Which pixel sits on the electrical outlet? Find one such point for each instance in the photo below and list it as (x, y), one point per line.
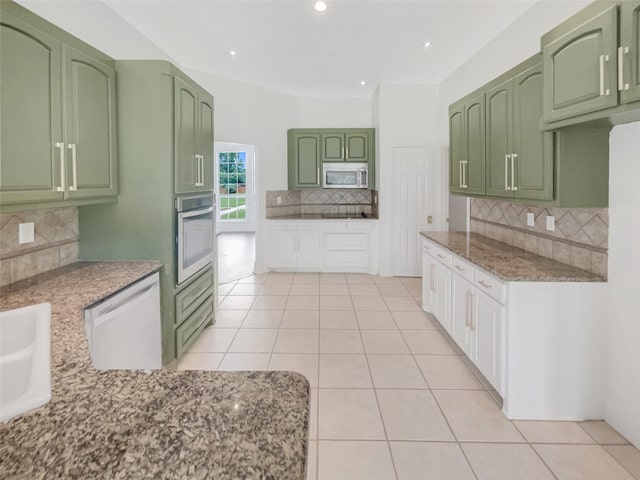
(551, 223)
(26, 233)
(430, 219)
(278, 200)
(531, 220)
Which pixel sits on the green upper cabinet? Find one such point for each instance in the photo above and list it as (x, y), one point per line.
(629, 52)
(58, 118)
(193, 131)
(519, 154)
(31, 114)
(187, 174)
(579, 59)
(91, 126)
(206, 140)
(304, 160)
(349, 147)
(467, 147)
(532, 159)
(333, 147)
(499, 104)
(309, 148)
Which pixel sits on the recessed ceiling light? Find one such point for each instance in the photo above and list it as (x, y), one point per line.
(363, 82)
(232, 53)
(320, 6)
(427, 44)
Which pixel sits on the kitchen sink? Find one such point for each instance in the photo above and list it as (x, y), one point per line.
(25, 359)
(345, 215)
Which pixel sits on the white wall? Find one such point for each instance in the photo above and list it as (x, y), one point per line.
(257, 116)
(335, 113)
(622, 409)
(406, 117)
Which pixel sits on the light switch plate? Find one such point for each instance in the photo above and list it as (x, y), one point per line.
(278, 199)
(26, 233)
(551, 223)
(531, 220)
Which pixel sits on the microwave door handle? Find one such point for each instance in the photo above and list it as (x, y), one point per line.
(359, 182)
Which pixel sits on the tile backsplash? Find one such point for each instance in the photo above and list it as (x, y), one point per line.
(309, 202)
(55, 243)
(580, 238)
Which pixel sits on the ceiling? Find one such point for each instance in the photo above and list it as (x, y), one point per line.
(289, 47)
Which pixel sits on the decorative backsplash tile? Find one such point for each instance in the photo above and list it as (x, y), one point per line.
(55, 242)
(335, 202)
(580, 238)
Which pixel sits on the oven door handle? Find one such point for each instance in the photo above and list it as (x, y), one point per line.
(195, 213)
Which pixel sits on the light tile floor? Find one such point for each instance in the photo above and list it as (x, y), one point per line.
(392, 397)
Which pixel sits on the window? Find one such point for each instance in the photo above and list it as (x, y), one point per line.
(232, 185)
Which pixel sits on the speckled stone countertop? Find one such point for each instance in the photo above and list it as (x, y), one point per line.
(509, 263)
(164, 424)
(321, 216)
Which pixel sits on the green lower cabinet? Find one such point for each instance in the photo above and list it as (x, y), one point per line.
(629, 51)
(304, 160)
(579, 60)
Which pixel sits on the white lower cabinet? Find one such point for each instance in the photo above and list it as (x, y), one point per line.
(323, 245)
(294, 246)
(540, 344)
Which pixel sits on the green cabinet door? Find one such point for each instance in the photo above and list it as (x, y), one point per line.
(186, 137)
(499, 134)
(304, 160)
(473, 171)
(356, 147)
(205, 107)
(30, 114)
(579, 60)
(456, 147)
(629, 51)
(532, 162)
(333, 147)
(90, 130)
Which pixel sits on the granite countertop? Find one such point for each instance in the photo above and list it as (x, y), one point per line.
(321, 216)
(136, 424)
(507, 262)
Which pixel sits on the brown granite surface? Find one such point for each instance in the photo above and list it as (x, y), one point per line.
(163, 424)
(509, 263)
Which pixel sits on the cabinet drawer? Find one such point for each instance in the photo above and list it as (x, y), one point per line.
(360, 225)
(192, 296)
(308, 226)
(347, 259)
(283, 226)
(462, 268)
(444, 256)
(490, 285)
(188, 332)
(346, 241)
(428, 247)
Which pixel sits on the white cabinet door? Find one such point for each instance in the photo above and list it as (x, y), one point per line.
(487, 324)
(308, 249)
(443, 296)
(428, 283)
(461, 292)
(282, 249)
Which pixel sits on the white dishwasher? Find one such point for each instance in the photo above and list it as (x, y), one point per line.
(124, 330)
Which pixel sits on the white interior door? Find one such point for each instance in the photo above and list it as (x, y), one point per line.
(414, 201)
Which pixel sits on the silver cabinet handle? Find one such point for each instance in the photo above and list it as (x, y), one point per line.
(460, 176)
(513, 171)
(463, 164)
(342, 152)
(441, 256)
(199, 170)
(603, 91)
(484, 284)
(74, 168)
(471, 327)
(621, 53)
(347, 155)
(431, 280)
(318, 175)
(459, 268)
(468, 312)
(60, 146)
(506, 172)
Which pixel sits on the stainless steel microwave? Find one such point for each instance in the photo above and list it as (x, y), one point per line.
(345, 175)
